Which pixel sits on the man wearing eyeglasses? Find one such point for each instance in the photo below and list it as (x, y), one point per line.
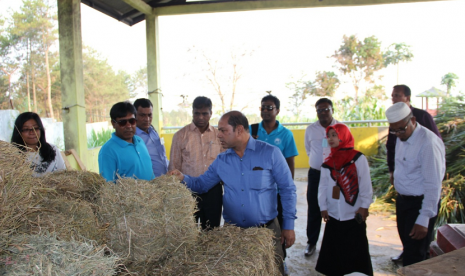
(402, 93)
(419, 169)
(125, 154)
(153, 142)
(317, 149)
(272, 132)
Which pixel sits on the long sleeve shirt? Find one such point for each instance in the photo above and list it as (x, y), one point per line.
(338, 208)
(125, 159)
(250, 185)
(420, 167)
(193, 152)
(156, 150)
(425, 119)
(316, 144)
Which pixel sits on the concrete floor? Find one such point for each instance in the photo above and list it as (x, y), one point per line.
(382, 236)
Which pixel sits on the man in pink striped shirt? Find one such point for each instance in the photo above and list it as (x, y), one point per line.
(194, 148)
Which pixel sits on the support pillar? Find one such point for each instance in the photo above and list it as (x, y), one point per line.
(153, 70)
(72, 89)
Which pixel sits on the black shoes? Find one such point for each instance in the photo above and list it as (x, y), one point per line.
(309, 250)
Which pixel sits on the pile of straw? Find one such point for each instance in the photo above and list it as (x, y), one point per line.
(68, 219)
(17, 189)
(227, 250)
(147, 220)
(45, 255)
(75, 184)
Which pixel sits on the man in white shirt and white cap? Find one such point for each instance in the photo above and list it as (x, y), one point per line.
(419, 169)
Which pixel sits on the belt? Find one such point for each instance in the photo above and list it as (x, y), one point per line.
(312, 169)
(267, 224)
(408, 197)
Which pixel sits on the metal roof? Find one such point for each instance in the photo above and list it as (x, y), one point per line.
(432, 92)
(125, 13)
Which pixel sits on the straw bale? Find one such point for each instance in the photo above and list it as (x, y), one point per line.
(68, 219)
(147, 219)
(227, 250)
(45, 255)
(75, 184)
(17, 188)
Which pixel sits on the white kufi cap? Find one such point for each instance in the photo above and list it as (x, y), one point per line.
(397, 112)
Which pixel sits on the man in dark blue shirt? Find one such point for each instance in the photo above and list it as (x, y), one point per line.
(252, 171)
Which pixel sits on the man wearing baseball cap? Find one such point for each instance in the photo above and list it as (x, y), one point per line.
(419, 169)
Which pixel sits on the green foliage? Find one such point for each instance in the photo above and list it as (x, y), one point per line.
(137, 83)
(397, 53)
(360, 60)
(451, 124)
(449, 81)
(325, 85)
(103, 87)
(367, 108)
(99, 138)
(453, 194)
(301, 91)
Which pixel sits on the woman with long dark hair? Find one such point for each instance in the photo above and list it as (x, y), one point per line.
(29, 136)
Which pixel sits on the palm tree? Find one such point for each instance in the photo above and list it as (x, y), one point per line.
(449, 81)
(401, 52)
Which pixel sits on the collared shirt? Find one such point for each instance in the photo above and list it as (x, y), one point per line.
(420, 167)
(193, 152)
(338, 208)
(425, 119)
(125, 159)
(280, 137)
(316, 144)
(250, 185)
(156, 150)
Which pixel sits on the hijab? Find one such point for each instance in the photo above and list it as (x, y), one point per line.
(341, 163)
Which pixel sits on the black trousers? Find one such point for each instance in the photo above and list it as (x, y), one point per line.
(313, 214)
(210, 206)
(407, 209)
(280, 220)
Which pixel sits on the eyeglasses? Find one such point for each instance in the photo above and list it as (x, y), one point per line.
(321, 110)
(31, 130)
(267, 107)
(402, 130)
(123, 122)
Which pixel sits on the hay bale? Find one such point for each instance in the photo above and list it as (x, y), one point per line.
(227, 250)
(75, 184)
(68, 219)
(17, 188)
(45, 255)
(147, 219)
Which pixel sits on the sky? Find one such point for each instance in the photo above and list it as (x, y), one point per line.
(283, 46)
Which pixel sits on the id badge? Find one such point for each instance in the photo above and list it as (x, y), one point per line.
(324, 143)
(162, 140)
(336, 192)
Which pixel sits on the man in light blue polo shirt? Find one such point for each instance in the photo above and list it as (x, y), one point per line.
(145, 130)
(124, 154)
(271, 131)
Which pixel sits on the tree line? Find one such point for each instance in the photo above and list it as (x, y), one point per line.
(30, 69)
